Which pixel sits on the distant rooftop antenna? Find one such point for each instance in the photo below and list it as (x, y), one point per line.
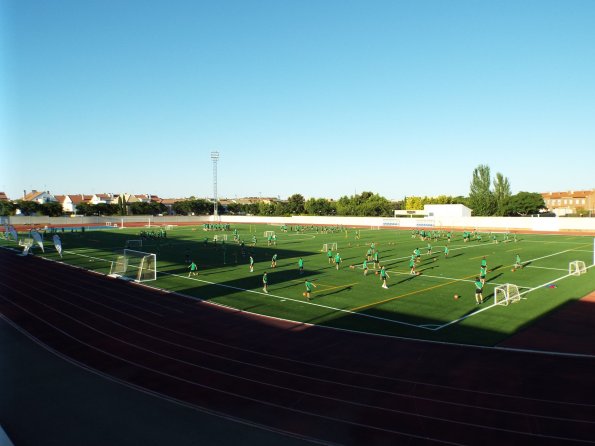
(215, 158)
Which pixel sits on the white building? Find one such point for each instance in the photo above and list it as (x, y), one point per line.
(446, 210)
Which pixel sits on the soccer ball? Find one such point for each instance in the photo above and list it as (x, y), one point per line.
(456, 296)
(304, 294)
(376, 273)
(513, 270)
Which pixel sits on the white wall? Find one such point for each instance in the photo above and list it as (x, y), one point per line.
(544, 224)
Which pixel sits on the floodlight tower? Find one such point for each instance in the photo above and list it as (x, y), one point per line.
(215, 158)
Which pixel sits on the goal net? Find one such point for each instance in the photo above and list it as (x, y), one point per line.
(133, 244)
(327, 246)
(220, 237)
(269, 233)
(505, 294)
(135, 265)
(576, 268)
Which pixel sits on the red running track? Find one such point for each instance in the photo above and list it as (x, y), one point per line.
(320, 384)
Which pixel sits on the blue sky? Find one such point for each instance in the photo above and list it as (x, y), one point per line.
(324, 98)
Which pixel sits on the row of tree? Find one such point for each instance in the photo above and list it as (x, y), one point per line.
(487, 201)
(486, 198)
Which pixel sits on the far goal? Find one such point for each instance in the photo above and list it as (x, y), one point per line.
(134, 244)
(505, 294)
(135, 265)
(327, 246)
(576, 268)
(269, 233)
(220, 237)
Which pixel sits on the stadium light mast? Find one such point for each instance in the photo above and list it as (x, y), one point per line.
(215, 158)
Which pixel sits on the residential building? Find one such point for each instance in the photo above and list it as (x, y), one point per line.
(570, 202)
(39, 197)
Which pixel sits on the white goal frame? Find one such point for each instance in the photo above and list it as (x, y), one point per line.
(505, 294)
(334, 246)
(134, 244)
(220, 237)
(135, 265)
(267, 233)
(576, 268)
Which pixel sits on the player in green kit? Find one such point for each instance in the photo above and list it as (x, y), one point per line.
(365, 267)
(517, 262)
(265, 282)
(478, 291)
(301, 266)
(309, 286)
(251, 264)
(446, 252)
(274, 261)
(482, 274)
(337, 261)
(193, 269)
(412, 265)
(384, 275)
(376, 260)
(329, 254)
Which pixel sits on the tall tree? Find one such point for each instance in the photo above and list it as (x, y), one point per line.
(501, 193)
(295, 204)
(525, 203)
(51, 209)
(481, 198)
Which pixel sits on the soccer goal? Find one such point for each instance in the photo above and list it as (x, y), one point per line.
(135, 265)
(576, 268)
(26, 244)
(220, 237)
(327, 246)
(269, 233)
(507, 293)
(133, 244)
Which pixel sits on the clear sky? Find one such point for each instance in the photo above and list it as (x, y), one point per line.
(319, 97)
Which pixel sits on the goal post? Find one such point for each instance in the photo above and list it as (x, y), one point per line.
(220, 237)
(576, 268)
(269, 233)
(505, 294)
(134, 244)
(327, 246)
(135, 265)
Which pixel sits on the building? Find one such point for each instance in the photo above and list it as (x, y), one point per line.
(39, 197)
(570, 202)
(3, 196)
(70, 202)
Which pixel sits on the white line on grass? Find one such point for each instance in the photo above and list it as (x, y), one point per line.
(494, 304)
(271, 295)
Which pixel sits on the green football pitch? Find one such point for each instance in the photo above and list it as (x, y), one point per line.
(417, 306)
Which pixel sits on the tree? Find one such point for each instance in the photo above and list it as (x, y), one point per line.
(183, 207)
(525, 203)
(86, 209)
(501, 193)
(51, 209)
(7, 208)
(319, 206)
(481, 199)
(106, 209)
(295, 204)
(122, 205)
(27, 207)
